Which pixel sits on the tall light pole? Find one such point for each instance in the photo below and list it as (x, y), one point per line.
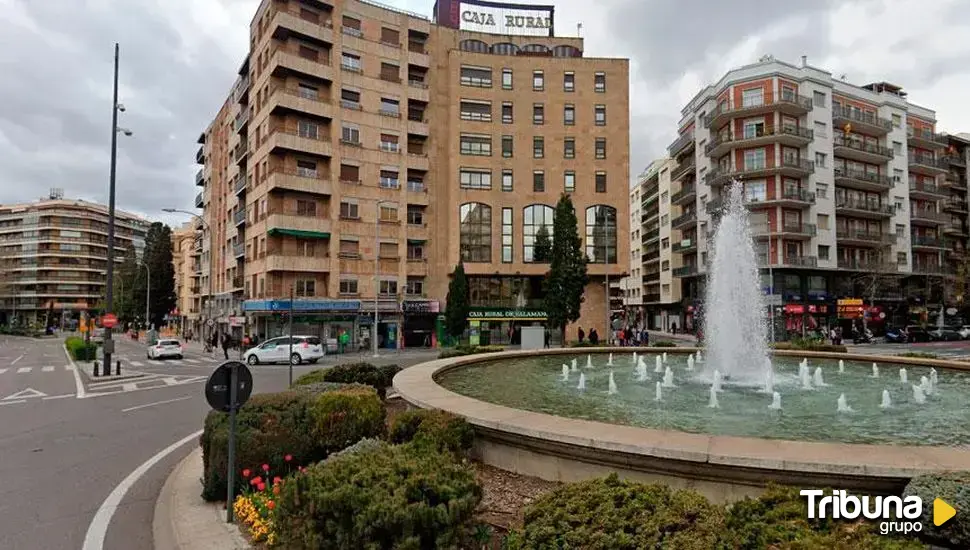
(205, 226)
(377, 269)
(109, 278)
(148, 298)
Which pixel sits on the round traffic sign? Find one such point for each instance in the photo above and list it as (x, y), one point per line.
(217, 387)
(109, 320)
(210, 323)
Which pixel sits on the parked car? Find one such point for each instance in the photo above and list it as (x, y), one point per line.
(945, 334)
(964, 332)
(306, 349)
(896, 336)
(916, 333)
(164, 349)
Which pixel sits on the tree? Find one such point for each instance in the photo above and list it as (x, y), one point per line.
(158, 258)
(881, 282)
(456, 311)
(542, 249)
(567, 277)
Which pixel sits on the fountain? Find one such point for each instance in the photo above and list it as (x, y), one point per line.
(717, 380)
(690, 362)
(918, 395)
(805, 376)
(609, 362)
(775, 401)
(712, 400)
(769, 377)
(589, 361)
(669, 378)
(700, 357)
(633, 360)
(658, 394)
(875, 371)
(841, 366)
(642, 373)
(819, 383)
(665, 357)
(887, 402)
(925, 385)
(843, 406)
(565, 372)
(735, 330)
(659, 365)
(903, 377)
(582, 382)
(934, 378)
(575, 366)
(613, 390)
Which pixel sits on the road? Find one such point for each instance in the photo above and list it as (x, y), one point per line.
(62, 456)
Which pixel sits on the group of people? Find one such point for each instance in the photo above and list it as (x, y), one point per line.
(632, 337)
(594, 337)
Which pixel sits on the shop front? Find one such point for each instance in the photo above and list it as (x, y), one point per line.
(327, 319)
(389, 323)
(500, 326)
(806, 320)
(419, 323)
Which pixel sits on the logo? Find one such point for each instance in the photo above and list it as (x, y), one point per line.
(942, 512)
(896, 514)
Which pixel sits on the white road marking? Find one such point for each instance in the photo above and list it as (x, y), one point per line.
(94, 538)
(136, 363)
(26, 393)
(23, 370)
(129, 409)
(48, 369)
(3, 371)
(64, 396)
(68, 367)
(12, 402)
(78, 384)
(193, 361)
(15, 360)
(129, 387)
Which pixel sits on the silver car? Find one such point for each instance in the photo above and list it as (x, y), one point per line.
(305, 349)
(164, 349)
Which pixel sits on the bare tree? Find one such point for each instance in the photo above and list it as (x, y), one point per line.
(882, 281)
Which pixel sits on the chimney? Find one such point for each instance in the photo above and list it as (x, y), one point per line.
(804, 61)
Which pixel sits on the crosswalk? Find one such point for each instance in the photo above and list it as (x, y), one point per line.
(147, 382)
(164, 362)
(29, 370)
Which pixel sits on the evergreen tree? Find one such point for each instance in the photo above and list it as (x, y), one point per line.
(542, 249)
(125, 287)
(567, 278)
(456, 312)
(158, 258)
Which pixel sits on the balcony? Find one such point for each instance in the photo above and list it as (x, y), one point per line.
(287, 59)
(956, 254)
(868, 265)
(785, 103)
(926, 139)
(928, 165)
(857, 149)
(933, 269)
(864, 209)
(200, 155)
(200, 177)
(791, 136)
(197, 244)
(685, 271)
(241, 120)
(928, 217)
(289, 21)
(299, 100)
(241, 92)
(787, 230)
(796, 168)
(684, 220)
(955, 205)
(864, 238)
(682, 169)
(955, 182)
(300, 180)
(318, 144)
(237, 283)
(293, 263)
(239, 218)
(956, 229)
(684, 246)
(239, 250)
(686, 195)
(240, 184)
(956, 159)
(920, 241)
(798, 198)
(287, 222)
(862, 122)
(200, 200)
(863, 181)
(682, 144)
(241, 151)
(926, 191)
(798, 261)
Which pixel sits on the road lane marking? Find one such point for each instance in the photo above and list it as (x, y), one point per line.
(129, 387)
(3, 371)
(25, 393)
(15, 360)
(48, 369)
(98, 529)
(137, 363)
(68, 367)
(13, 402)
(78, 384)
(23, 370)
(194, 361)
(129, 409)
(64, 396)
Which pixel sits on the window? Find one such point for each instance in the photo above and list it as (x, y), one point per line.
(507, 113)
(901, 258)
(820, 159)
(899, 204)
(475, 179)
(823, 252)
(476, 77)
(538, 181)
(900, 229)
(507, 183)
(474, 144)
(664, 243)
(414, 286)
(390, 179)
(390, 107)
(822, 190)
(415, 215)
(897, 175)
(665, 265)
(389, 143)
(475, 232)
(754, 159)
(897, 148)
(601, 235)
(305, 287)
(818, 99)
(348, 286)
(821, 130)
(350, 62)
(507, 235)
(350, 134)
(600, 182)
(755, 190)
(388, 213)
(475, 110)
(306, 208)
(600, 148)
(665, 220)
(351, 24)
(507, 146)
(823, 221)
(349, 210)
(350, 99)
(506, 79)
(537, 233)
(349, 173)
(390, 72)
(415, 250)
(753, 97)
(538, 147)
(538, 81)
(897, 121)
(569, 148)
(538, 113)
(569, 114)
(306, 169)
(388, 288)
(391, 37)
(569, 181)
(599, 115)
(349, 248)
(599, 82)
(568, 81)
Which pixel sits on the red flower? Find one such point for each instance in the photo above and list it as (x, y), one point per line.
(302, 469)
(246, 472)
(276, 490)
(277, 479)
(288, 458)
(270, 504)
(261, 487)
(265, 467)
(256, 480)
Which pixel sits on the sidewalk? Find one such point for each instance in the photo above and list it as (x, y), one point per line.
(183, 521)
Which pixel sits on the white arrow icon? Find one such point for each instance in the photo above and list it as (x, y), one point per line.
(25, 394)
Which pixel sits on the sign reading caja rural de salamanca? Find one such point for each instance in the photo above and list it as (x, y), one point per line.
(508, 19)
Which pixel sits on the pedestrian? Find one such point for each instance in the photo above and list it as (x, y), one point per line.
(673, 328)
(594, 338)
(581, 334)
(226, 342)
(644, 338)
(547, 337)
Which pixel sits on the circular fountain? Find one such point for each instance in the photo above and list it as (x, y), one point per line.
(724, 422)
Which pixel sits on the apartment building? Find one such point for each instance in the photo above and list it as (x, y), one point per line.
(357, 187)
(632, 284)
(955, 232)
(846, 184)
(53, 255)
(186, 253)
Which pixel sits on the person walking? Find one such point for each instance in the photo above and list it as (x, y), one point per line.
(226, 343)
(581, 334)
(594, 338)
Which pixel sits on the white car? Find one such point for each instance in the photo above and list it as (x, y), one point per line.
(964, 332)
(306, 349)
(165, 348)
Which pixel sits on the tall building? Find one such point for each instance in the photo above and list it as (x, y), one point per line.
(357, 187)
(956, 232)
(632, 284)
(847, 187)
(53, 256)
(186, 252)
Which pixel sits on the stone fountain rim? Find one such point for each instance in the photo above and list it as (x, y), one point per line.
(418, 386)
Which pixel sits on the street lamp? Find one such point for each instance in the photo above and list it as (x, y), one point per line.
(109, 279)
(208, 298)
(148, 298)
(377, 268)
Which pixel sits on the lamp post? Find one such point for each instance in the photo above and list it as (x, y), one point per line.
(377, 269)
(109, 278)
(208, 298)
(148, 298)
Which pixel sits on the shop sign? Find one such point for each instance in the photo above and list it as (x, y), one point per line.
(420, 306)
(283, 306)
(850, 308)
(794, 309)
(508, 315)
(235, 321)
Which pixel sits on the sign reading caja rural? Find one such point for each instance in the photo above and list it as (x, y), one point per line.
(508, 19)
(507, 315)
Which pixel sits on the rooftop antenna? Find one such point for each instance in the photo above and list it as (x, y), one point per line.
(579, 29)
(56, 194)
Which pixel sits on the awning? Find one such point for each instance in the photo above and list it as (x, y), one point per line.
(277, 231)
(417, 241)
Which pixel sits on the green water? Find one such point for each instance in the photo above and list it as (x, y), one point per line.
(535, 384)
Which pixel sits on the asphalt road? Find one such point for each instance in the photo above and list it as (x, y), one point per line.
(62, 456)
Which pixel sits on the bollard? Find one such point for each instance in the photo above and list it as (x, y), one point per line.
(95, 367)
(118, 368)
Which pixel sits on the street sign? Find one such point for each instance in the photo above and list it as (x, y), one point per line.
(109, 320)
(210, 323)
(217, 389)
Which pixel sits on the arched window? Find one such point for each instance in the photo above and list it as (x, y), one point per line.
(601, 234)
(473, 46)
(566, 51)
(475, 232)
(504, 48)
(534, 49)
(537, 233)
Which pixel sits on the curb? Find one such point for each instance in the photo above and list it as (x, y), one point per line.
(183, 521)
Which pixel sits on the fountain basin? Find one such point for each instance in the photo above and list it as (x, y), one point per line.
(723, 467)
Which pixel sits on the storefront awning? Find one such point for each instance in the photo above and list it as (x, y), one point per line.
(277, 231)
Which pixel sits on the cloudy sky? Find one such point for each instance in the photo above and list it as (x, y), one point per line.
(179, 58)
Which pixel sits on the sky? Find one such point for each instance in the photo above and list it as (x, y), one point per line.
(179, 59)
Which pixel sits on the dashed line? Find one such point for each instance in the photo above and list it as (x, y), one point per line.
(193, 361)
(13, 402)
(137, 363)
(47, 369)
(23, 370)
(65, 396)
(3, 370)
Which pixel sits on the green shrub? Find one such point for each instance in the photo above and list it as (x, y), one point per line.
(663, 344)
(810, 345)
(81, 350)
(954, 488)
(379, 378)
(313, 377)
(586, 344)
(438, 429)
(344, 417)
(392, 496)
(460, 351)
(919, 355)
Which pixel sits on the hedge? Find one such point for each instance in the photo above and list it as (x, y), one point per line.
(954, 489)
(663, 344)
(379, 378)
(81, 350)
(460, 351)
(439, 430)
(305, 425)
(810, 345)
(388, 496)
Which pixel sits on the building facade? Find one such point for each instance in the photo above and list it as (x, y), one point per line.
(850, 189)
(186, 253)
(356, 187)
(632, 284)
(53, 257)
